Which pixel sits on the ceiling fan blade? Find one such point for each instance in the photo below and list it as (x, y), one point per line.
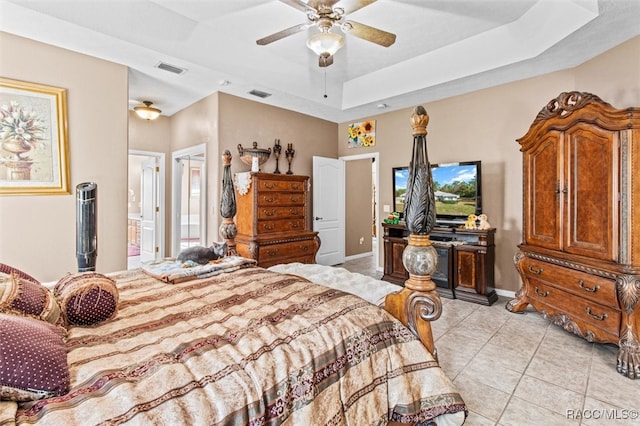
(282, 34)
(297, 4)
(350, 6)
(325, 61)
(374, 35)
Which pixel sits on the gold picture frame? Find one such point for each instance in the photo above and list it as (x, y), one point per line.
(34, 151)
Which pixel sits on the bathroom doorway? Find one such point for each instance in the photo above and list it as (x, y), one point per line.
(145, 207)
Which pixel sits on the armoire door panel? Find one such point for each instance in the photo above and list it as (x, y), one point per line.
(591, 187)
(543, 178)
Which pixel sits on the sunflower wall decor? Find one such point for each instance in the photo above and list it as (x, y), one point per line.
(362, 134)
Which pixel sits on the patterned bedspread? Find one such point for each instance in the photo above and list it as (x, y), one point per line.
(248, 347)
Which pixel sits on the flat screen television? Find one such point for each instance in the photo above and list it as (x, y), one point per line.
(457, 187)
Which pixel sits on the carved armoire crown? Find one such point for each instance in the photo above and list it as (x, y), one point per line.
(580, 256)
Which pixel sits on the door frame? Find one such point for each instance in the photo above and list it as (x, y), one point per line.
(160, 185)
(176, 192)
(376, 156)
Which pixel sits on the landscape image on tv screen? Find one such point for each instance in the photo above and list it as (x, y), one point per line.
(455, 189)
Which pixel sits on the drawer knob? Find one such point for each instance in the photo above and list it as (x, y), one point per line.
(589, 289)
(273, 252)
(533, 270)
(294, 199)
(268, 226)
(541, 293)
(295, 224)
(293, 212)
(269, 185)
(269, 199)
(601, 317)
(304, 248)
(269, 212)
(295, 186)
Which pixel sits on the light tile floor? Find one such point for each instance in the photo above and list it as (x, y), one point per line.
(519, 369)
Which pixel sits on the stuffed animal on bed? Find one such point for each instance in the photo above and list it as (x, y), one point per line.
(203, 255)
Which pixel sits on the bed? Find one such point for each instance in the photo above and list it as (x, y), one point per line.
(245, 346)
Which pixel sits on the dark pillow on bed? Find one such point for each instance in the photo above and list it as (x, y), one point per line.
(33, 359)
(21, 296)
(8, 270)
(87, 298)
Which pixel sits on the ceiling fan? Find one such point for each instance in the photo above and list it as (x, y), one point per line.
(322, 14)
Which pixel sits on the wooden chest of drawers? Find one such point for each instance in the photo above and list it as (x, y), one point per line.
(273, 220)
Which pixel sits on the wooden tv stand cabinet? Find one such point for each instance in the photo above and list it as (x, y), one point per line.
(466, 260)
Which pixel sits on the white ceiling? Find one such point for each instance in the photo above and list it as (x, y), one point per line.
(443, 47)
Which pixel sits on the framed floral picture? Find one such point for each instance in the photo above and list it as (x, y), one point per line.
(34, 154)
(362, 134)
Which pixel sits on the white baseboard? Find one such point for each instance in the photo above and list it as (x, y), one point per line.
(358, 256)
(505, 293)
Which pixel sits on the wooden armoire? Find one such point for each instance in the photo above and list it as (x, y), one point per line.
(580, 256)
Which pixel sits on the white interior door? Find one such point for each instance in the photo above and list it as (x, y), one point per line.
(328, 209)
(148, 209)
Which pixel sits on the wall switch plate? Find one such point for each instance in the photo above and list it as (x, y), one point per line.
(386, 208)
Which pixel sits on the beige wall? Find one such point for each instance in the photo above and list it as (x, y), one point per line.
(358, 175)
(484, 125)
(222, 121)
(243, 122)
(38, 232)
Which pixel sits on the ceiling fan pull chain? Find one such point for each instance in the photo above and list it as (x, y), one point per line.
(325, 83)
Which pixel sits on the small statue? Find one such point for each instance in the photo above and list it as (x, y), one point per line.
(484, 223)
(277, 149)
(203, 255)
(289, 153)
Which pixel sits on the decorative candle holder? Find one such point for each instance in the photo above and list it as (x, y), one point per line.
(255, 154)
(277, 149)
(289, 153)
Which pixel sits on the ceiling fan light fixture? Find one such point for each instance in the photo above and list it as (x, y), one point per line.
(146, 111)
(325, 43)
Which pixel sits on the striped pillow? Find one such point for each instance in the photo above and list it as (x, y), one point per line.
(21, 296)
(8, 270)
(87, 298)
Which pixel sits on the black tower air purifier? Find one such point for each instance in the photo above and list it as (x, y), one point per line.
(86, 226)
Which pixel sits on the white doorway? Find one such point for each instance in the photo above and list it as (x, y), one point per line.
(189, 198)
(145, 207)
(374, 157)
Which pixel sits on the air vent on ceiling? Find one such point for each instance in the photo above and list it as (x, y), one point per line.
(171, 68)
(259, 94)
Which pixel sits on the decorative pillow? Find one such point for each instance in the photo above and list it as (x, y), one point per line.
(33, 359)
(87, 298)
(20, 296)
(8, 270)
